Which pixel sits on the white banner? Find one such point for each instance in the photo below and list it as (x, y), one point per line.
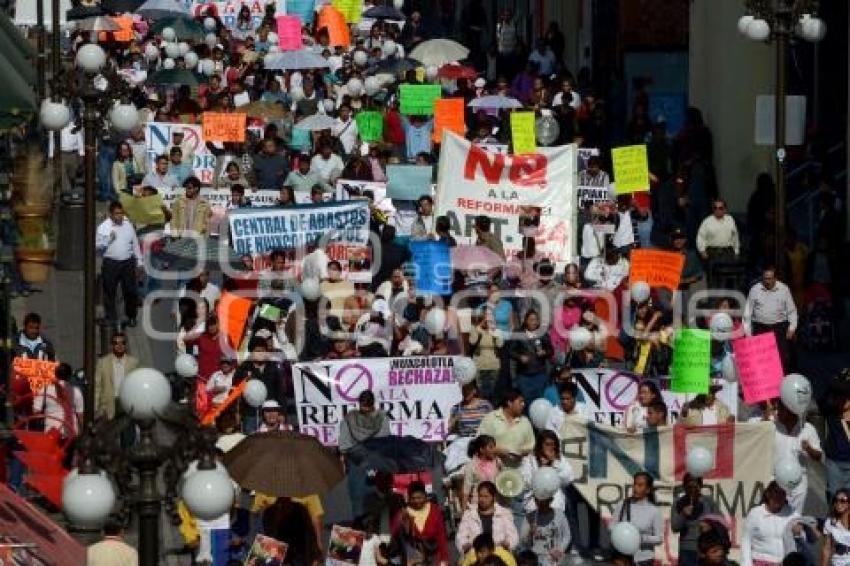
(160, 137)
(531, 195)
(417, 393)
(228, 10)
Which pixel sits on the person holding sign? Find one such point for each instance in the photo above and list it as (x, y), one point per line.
(706, 409)
(798, 440)
(417, 135)
(30, 343)
(770, 308)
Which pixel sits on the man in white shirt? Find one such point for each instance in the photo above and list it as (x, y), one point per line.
(797, 439)
(717, 239)
(423, 226)
(122, 262)
(112, 550)
(71, 148)
(345, 128)
(567, 95)
(327, 164)
(221, 382)
(160, 177)
(770, 308)
(570, 408)
(609, 272)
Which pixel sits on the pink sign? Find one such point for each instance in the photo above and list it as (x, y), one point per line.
(759, 367)
(289, 32)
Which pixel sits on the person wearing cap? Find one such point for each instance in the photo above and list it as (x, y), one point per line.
(706, 409)
(609, 272)
(302, 180)
(221, 382)
(717, 239)
(271, 414)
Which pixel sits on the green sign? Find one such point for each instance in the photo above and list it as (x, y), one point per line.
(418, 100)
(370, 125)
(691, 366)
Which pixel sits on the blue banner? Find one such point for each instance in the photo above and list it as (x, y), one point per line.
(408, 182)
(433, 262)
(304, 9)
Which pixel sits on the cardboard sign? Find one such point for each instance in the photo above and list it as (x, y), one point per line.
(350, 9)
(289, 32)
(345, 546)
(39, 373)
(759, 367)
(334, 21)
(657, 268)
(691, 365)
(433, 266)
(631, 169)
(419, 100)
(408, 182)
(522, 132)
(370, 124)
(143, 211)
(224, 126)
(448, 115)
(304, 9)
(232, 312)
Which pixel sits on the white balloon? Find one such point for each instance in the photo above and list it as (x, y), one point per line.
(255, 393)
(54, 115)
(580, 338)
(272, 38)
(208, 494)
(360, 58)
(431, 72)
(329, 105)
(625, 538)
(310, 289)
(145, 393)
(124, 117)
(640, 291)
(183, 47)
(721, 326)
(372, 85)
(168, 34)
(168, 63)
(399, 4)
(729, 368)
(151, 52)
(209, 24)
(699, 461)
(813, 29)
(465, 370)
(788, 473)
(545, 483)
(546, 130)
(88, 499)
(389, 48)
(186, 365)
(435, 321)
(796, 393)
(191, 59)
(538, 412)
(172, 50)
(354, 87)
(296, 94)
(744, 23)
(211, 40)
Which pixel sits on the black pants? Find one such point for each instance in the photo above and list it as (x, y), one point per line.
(122, 273)
(785, 347)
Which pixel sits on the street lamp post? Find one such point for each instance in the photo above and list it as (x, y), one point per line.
(780, 21)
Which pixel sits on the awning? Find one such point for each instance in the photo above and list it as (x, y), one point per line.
(25, 13)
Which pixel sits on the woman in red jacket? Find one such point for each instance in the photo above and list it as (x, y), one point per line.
(420, 524)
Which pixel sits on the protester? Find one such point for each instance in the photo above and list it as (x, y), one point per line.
(547, 453)
(109, 374)
(798, 440)
(546, 533)
(685, 518)
(836, 530)
(770, 529)
(30, 343)
(122, 259)
(532, 352)
(485, 516)
(635, 415)
(511, 430)
(770, 308)
(61, 404)
(190, 214)
(420, 525)
(112, 550)
(483, 549)
(640, 510)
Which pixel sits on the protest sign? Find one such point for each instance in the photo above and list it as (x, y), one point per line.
(522, 132)
(304, 9)
(408, 182)
(235, 394)
(232, 311)
(160, 137)
(224, 126)
(448, 115)
(433, 266)
(227, 10)
(143, 211)
(759, 366)
(39, 373)
(334, 21)
(631, 169)
(691, 361)
(591, 195)
(534, 191)
(266, 551)
(417, 393)
(288, 32)
(370, 125)
(345, 546)
(350, 9)
(584, 155)
(657, 268)
(606, 458)
(418, 100)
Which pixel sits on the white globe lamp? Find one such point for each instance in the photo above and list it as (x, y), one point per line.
(744, 23)
(208, 494)
(91, 57)
(88, 499)
(813, 29)
(54, 115)
(758, 30)
(145, 393)
(124, 117)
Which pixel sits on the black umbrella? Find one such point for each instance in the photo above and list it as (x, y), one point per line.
(82, 12)
(394, 66)
(121, 6)
(384, 13)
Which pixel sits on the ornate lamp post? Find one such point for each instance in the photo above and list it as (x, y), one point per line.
(780, 21)
(89, 494)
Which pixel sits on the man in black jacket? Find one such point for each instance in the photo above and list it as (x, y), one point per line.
(259, 366)
(30, 343)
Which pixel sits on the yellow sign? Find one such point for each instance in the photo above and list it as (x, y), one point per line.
(522, 132)
(351, 9)
(631, 170)
(143, 211)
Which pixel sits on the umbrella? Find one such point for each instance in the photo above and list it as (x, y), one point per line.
(264, 109)
(121, 6)
(470, 258)
(185, 29)
(158, 9)
(183, 254)
(439, 52)
(283, 464)
(166, 77)
(394, 66)
(82, 12)
(454, 72)
(98, 23)
(384, 13)
(495, 101)
(316, 123)
(301, 59)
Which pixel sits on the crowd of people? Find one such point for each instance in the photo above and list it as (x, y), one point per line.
(524, 349)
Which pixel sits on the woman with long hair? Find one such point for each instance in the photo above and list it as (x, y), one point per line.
(486, 516)
(640, 510)
(419, 529)
(547, 453)
(532, 351)
(61, 403)
(635, 416)
(126, 171)
(835, 549)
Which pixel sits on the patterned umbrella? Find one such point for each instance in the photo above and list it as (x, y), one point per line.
(287, 60)
(495, 101)
(439, 52)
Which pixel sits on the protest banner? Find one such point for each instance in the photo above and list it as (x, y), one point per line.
(691, 365)
(535, 192)
(350, 9)
(657, 268)
(584, 155)
(418, 100)
(417, 393)
(224, 126)
(39, 373)
(759, 366)
(605, 458)
(433, 266)
(227, 10)
(266, 551)
(370, 125)
(631, 169)
(345, 546)
(304, 9)
(334, 21)
(522, 132)
(591, 195)
(143, 211)
(288, 32)
(448, 115)
(233, 311)
(161, 136)
(408, 182)
(347, 189)
(235, 394)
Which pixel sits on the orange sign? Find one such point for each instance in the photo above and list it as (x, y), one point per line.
(233, 311)
(334, 21)
(224, 127)
(39, 373)
(657, 268)
(448, 114)
(210, 416)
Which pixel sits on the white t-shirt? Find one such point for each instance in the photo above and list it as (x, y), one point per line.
(220, 379)
(841, 536)
(54, 412)
(347, 133)
(791, 442)
(709, 416)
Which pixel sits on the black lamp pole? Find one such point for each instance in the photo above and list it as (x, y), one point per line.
(146, 458)
(90, 126)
